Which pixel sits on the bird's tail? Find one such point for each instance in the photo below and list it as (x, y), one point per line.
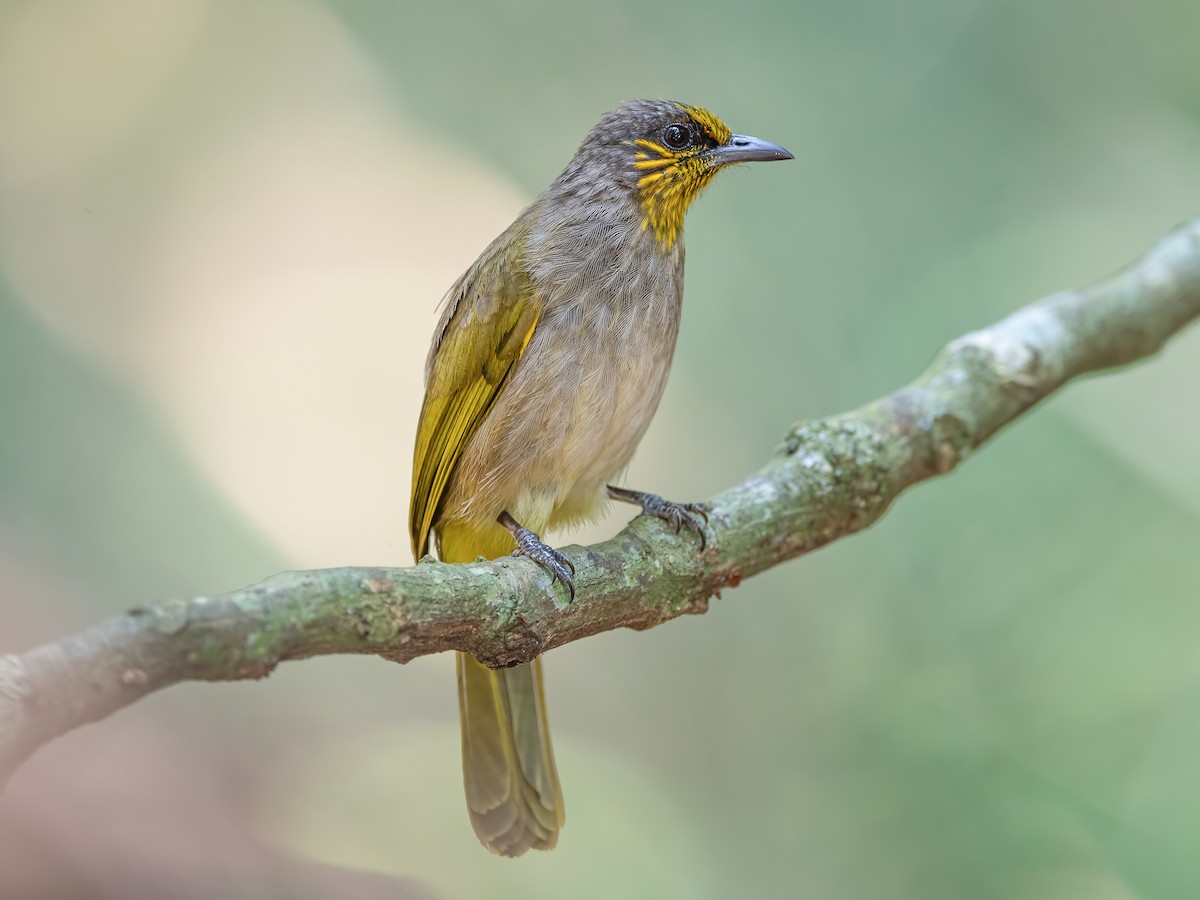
(513, 795)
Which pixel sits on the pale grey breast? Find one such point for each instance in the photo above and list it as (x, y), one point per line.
(586, 388)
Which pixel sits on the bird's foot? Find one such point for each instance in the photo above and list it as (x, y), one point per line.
(694, 515)
(531, 546)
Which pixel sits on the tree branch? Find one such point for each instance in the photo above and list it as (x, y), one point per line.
(830, 478)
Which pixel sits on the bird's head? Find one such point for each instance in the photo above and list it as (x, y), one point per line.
(664, 154)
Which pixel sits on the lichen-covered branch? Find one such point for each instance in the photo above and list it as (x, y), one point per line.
(830, 478)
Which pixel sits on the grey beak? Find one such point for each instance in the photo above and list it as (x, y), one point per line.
(743, 148)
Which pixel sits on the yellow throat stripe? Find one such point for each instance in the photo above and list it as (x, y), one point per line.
(674, 178)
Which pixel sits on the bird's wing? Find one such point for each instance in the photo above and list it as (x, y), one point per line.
(489, 319)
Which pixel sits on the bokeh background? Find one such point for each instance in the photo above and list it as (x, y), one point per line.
(224, 228)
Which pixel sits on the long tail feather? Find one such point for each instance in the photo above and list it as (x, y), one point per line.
(513, 794)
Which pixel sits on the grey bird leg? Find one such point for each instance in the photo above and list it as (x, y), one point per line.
(694, 515)
(530, 545)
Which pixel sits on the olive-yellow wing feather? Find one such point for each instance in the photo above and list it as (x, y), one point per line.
(489, 319)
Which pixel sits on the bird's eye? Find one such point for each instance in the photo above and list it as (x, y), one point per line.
(677, 136)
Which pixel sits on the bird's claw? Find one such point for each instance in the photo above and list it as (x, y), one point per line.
(694, 515)
(560, 568)
(532, 547)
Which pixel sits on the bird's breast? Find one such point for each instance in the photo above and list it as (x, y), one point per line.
(589, 382)
(608, 336)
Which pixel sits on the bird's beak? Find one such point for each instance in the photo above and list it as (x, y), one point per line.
(743, 148)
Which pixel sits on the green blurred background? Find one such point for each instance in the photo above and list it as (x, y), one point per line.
(223, 231)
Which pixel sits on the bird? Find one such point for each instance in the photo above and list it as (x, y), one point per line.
(546, 366)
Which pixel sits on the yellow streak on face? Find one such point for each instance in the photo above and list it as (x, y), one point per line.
(646, 180)
(644, 163)
(674, 178)
(713, 127)
(667, 194)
